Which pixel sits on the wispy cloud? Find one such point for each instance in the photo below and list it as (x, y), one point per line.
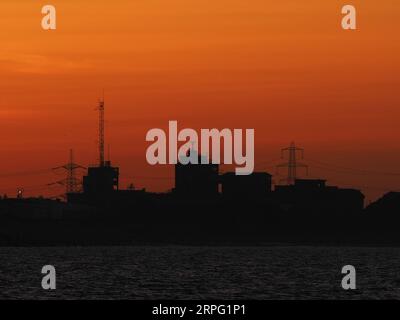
(41, 64)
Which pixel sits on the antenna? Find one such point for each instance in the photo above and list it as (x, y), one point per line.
(292, 163)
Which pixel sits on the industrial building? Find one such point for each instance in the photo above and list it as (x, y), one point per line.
(313, 195)
(196, 180)
(255, 185)
(202, 183)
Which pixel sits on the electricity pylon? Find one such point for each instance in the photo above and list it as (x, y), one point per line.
(71, 182)
(292, 165)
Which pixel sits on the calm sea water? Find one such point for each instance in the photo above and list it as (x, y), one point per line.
(200, 272)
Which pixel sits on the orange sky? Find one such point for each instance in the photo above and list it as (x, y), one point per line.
(285, 68)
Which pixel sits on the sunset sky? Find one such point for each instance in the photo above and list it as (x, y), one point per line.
(285, 68)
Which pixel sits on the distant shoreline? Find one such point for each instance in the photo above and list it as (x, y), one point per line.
(204, 244)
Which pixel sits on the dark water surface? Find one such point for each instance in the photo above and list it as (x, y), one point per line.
(200, 272)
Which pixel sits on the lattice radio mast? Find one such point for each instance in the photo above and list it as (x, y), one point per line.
(101, 132)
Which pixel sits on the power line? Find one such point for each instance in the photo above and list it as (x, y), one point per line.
(31, 188)
(24, 173)
(347, 170)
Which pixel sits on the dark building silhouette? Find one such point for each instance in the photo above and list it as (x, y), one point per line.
(243, 210)
(203, 206)
(99, 185)
(196, 179)
(387, 205)
(309, 195)
(101, 180)
(257, 184)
